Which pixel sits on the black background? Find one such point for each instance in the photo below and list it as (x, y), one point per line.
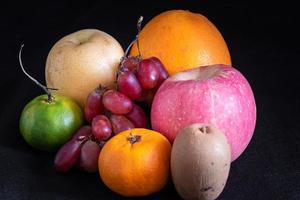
(264, 45)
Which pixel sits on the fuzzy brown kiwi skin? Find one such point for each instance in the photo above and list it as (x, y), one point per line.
(200, 162)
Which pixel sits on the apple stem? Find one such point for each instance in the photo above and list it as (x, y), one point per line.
(46, 89)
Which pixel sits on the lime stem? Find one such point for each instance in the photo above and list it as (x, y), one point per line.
(46, 89)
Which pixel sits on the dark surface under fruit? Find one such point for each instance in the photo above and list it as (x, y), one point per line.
(262, 41)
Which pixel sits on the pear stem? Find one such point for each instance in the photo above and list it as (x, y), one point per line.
(46, 89)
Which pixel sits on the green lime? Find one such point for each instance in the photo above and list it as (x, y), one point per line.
(46, 125)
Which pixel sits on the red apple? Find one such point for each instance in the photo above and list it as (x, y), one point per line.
(216, 94)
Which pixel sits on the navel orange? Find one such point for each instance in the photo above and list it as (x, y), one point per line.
(182, 40)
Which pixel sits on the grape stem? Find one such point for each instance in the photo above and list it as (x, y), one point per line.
(139, 27)
(136, 39)
(46, 89)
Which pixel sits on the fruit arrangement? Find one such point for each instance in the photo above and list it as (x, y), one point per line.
(120, 114)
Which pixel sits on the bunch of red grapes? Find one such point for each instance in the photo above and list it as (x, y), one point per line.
(110, 112)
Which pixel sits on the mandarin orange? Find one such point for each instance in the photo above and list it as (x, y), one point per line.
(135, 162)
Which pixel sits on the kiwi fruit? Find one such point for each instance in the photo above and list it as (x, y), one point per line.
(200, 162)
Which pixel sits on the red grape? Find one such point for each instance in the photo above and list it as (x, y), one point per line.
(69, 153)
(129, 85)
(138, 117)
(120, 123)
(101, 127)
(163, 74)
(147, 74)
(89, 155)
(148, 96)
(93, 105)
(84, 131)
(131, 62)
(116, 102)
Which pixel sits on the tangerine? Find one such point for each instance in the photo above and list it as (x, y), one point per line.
(135, 162)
